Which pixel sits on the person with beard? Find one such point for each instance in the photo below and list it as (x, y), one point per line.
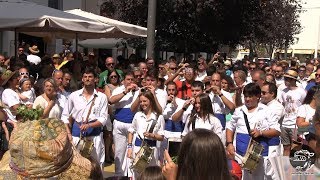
(85, 113)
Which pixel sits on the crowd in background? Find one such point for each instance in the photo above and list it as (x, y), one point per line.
(278, 97)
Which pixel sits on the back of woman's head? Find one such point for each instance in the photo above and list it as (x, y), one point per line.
(202, 156)
(152, 173)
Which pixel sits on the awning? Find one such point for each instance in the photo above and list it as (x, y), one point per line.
(103, 43)
(123, 28)
(24, 16)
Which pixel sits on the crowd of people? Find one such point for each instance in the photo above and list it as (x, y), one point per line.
(216, 107)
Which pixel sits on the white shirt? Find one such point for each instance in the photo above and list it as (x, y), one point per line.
(276, 107)
(162, 97)
(279, 81)
(211, 123)
(30, 95)
(78, 107)
(126, 100)
(261, 119)
(217, 104)
(307, 112)
(291, 99)
(9, 99)
(168, 112)
(141, 124)
(170, 109)
(34, 59)
(56, 110)
(201, 76)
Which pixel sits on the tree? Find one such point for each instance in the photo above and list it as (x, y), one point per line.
(202, 25)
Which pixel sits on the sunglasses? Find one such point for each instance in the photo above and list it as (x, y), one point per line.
(24, 73)
(264, 92)
(317, 75)
(173, 68)
(109, 64)
(113, 77)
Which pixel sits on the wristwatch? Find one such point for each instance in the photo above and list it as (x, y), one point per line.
(220, 95)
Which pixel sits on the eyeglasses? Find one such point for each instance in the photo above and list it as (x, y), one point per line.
(317, 75)
(264, 92)
(173, 68)
(302, 70)
(24, 73)
(267, 70)
(161, 68)
(113, 77)
(200, 64)
(109, 64)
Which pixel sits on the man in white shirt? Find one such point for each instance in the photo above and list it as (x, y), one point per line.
(291, 97)
(152, 85)
(86, 113)
(201, 71)
(221, 100)
(264, 129)
(269, 98)
(122, 97)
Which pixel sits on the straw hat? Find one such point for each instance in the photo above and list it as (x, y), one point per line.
(34, 49)
(56, 56)
(291, 74)
(41, 149)
(6, 76)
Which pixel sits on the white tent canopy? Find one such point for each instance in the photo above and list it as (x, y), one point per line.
(126, 28)
(24, 16)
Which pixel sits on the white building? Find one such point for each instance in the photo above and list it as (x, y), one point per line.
(308, 40)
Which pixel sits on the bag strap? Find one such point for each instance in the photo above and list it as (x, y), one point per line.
(247, 122)
(92, 104)
(154, 122)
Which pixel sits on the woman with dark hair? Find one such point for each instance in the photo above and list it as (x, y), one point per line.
(148, 123)
(202, 156)
(152, 173)
(113, 81)
(227, 84)
(202, 117)
(305, 114)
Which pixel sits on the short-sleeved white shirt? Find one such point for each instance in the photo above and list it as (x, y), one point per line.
(217, 104)
(291, 99)
(56, 110)
(211, 123)
(141, 124)
(10, 98)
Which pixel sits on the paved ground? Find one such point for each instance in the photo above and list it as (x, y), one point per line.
(108, 171)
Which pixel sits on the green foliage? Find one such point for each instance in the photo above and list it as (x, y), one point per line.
(202, 25)
(26, 114)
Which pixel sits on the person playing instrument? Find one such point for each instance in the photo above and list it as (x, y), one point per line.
(182, 113)
(172, 129)
(86, 113)
(122, 97)
(147, 126)
(202, 117)
(264, 129)
(222, 102)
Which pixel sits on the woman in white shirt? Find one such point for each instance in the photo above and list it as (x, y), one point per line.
(147, 126)
(48, 100)
(202, 117)
(305, 114)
